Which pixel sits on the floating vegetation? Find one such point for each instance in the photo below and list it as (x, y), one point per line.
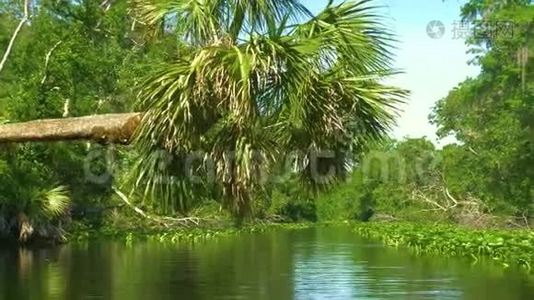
(177, 235)
(507, 247)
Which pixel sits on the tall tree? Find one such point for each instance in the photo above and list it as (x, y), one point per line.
(255, 81)
(492, 115)
(76, 58)
(251, 81)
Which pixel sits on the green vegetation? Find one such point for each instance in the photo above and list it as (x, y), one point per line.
(76, 58)
(485, 178)
(492, 115)
(234, 97)
(505, 247)
(258, 111)
(82, 233)
(412, 180)
(221, 85)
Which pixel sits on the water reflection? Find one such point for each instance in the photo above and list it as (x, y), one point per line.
(321, 263)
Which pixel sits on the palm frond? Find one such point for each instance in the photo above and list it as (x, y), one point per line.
(353, 38)
(245, 104)
(56, 202)
(211, 21)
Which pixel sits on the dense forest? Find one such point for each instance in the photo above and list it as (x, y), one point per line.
(255, 111)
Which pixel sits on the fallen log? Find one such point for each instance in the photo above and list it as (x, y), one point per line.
(105, 128)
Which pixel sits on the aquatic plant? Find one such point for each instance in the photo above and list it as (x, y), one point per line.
(507, 247)
(83, 233)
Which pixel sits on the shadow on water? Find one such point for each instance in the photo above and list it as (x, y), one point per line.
(317, 263)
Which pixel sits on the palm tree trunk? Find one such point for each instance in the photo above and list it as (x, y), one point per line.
(106, 128)
(25, 227)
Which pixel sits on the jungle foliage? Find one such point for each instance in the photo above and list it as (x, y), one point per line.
(255, 92)
(224, 79)
(488, 171)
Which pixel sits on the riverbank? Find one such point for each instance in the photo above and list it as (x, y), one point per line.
(320, 262)
(506, 247)
(174, 235)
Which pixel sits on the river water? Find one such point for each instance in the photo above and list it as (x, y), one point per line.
(316, 263)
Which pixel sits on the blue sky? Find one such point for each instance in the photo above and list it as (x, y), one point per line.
(431, 66)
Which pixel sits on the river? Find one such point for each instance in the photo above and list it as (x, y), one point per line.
(315, 263)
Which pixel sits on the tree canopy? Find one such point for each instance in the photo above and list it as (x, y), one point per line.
(257, 106)
(227, 90)
(254, 81)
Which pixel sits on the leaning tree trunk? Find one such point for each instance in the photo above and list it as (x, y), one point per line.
(106, 128)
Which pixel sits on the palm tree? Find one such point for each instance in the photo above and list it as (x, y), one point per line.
(254, 81)
(39, 215)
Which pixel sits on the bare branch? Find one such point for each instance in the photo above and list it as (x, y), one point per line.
(47, 60)
(66, 106)
(139, 211)
(15, 34)
(420, 195)
(162, 220)
(472, 151)
(449, 196)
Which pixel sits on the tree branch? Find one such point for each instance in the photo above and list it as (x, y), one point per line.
(106, 128)
(164, 221)
(139, 211)
(420, 195)
(47, 60)
(15, 34)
